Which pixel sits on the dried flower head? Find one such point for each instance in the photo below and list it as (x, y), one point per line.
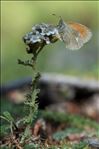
(41, 35)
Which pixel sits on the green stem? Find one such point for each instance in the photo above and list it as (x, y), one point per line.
(33, 107)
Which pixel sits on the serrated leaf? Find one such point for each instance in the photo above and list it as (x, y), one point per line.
(8, 116)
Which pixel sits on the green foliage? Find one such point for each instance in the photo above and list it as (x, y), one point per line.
(4, 130)
(60, 135)
(72, 120)
(80, 145)
(26, 134)
(32, 146)
(32, 106)
(7, 116)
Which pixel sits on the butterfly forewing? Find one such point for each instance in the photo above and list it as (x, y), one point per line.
(72, 39)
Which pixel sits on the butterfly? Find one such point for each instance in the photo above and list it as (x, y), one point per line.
(73, 34)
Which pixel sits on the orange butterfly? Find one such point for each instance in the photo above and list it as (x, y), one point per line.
(73, 34)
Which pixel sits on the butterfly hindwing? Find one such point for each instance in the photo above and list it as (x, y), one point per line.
(84, 31)
(72, 40)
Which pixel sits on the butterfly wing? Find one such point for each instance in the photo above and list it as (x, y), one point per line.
(84, 31)
(74, 35)
(72, 39)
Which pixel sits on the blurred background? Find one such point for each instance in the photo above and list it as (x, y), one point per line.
(18, 18)
(69, 94)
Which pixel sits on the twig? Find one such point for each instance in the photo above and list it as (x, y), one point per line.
(25, 63)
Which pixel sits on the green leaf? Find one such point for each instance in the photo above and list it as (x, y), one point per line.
(8, 116)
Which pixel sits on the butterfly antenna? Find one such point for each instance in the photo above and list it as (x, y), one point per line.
(57, 16)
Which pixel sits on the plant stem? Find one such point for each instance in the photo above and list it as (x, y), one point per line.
(31, 98)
